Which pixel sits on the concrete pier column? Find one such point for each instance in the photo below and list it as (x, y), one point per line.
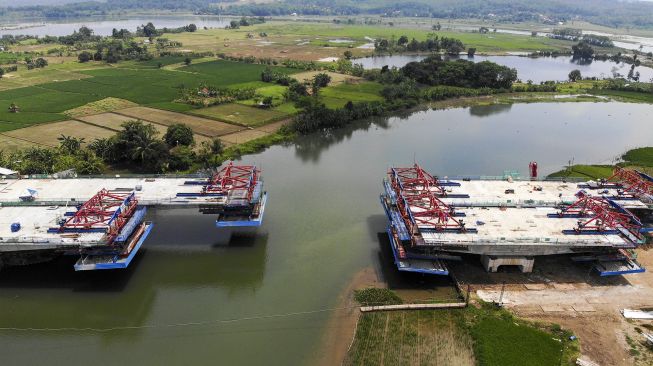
(493, 262)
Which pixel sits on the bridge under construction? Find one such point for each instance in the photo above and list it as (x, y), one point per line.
(102, 220)
(511, 222)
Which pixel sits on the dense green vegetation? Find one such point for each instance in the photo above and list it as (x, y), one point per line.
(501, 341)
(642, 156)
(462, 73)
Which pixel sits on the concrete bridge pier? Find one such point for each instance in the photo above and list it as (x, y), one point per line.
(493, 262)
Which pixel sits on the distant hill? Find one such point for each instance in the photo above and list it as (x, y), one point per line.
(15, 3)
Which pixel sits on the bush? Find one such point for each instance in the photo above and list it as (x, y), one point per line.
(179, 134)
(85, 57)
(377, 296)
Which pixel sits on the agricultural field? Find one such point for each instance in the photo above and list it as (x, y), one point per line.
(104, 105)
(338, 95)
(47, 102)
(12, 144)
(114, 122)
(47, 134)
(56, 71)
(202, 126)
(243, 136)
(240, 114)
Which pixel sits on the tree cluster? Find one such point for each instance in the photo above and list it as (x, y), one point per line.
(38, 63)
(433, 43)
(582, 51)
(435, 71)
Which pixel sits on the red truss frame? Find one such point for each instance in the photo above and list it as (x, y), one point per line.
(418, 204)
(234, 178)
(632, 182)
(106, 210)
(601, 214)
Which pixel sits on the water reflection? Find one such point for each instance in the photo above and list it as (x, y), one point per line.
(309, 148)
(488, 110)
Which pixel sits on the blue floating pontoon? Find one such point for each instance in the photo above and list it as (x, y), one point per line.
(100, 262)
(238, 221)
(431, 266)
(618, 267)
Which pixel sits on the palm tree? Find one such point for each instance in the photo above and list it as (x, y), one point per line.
(70, 144)
(148, 151)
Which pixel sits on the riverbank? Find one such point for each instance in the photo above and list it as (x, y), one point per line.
(640, 159)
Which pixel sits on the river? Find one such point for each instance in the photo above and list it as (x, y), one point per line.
(105, 27)
(528, 68)
(323, 224)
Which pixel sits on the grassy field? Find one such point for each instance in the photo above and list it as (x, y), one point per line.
(411, 338)
(585, 172)
(483, 336)
(313, 41)
(240, 114)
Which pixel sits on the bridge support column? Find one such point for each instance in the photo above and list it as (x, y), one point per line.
(493, 262)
